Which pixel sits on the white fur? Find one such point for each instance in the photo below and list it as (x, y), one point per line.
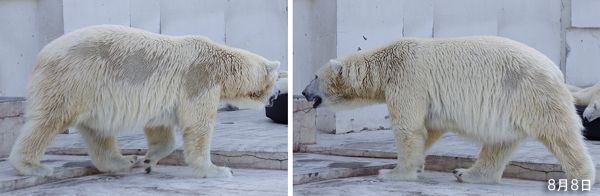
(589, 97)
(491, 90)
(108, 79)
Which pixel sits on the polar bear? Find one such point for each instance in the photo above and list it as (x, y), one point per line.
(589, 97)
(282, 82)
(491, 90)
(107, 79)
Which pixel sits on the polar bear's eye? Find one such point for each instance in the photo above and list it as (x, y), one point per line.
(316, 76)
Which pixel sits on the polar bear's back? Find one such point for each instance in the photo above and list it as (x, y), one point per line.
(108, 77)
(478, 84)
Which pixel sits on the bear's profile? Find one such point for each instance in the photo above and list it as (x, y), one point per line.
(107, 79)
(488, 89)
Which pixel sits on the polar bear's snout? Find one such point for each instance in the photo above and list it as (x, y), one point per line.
(310, 92)
(274, 94)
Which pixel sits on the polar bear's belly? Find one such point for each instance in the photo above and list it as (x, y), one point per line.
(487, 131)
(111, 118)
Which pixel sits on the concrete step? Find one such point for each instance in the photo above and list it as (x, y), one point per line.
(314, 167)
(430, 183)
(12, 118)
(65, 167)
(531, 162)
(166, 180)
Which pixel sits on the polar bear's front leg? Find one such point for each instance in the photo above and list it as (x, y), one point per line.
(407, 115)
(197, 120)
(411, 156)
(196, 147)
(161, 142)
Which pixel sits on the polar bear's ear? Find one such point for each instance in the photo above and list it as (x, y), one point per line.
(273, 65)
(335, 65)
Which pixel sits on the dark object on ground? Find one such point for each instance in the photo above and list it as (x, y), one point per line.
(592, 129)
(278, 112)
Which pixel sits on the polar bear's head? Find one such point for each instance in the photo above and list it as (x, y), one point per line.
(251, 81)
(340, 85)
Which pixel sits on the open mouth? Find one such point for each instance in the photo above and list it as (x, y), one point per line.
(317, 101)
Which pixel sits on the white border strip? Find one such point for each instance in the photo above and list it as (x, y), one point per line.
(290, 51)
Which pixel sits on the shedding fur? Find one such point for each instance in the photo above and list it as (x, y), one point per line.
(108, 79)
(490, 90)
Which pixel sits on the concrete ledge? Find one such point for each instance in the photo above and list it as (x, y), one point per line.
(12, 110)
(247, 160)
(313, 167)
(64, 167)
(305, 128)
(168, 181)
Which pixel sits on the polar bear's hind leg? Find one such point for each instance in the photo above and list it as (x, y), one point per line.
(489, 165)
(104, 152)
(31, 146)
(161, 142)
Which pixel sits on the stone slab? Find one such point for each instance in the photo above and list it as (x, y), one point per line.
(166, 180)
(430, 183)
(314, 167)
(241, 139)
(305, 127)
(532, 160)
(12, 110)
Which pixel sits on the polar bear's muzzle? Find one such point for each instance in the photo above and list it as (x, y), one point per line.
(309, 93)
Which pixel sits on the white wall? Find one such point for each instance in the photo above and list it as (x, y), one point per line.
(583, 43)
(26, 26)
(78, 14)
(542, 24)
(19, 43)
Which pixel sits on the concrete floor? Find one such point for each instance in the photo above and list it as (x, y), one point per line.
(429, 183)
(347, 164)
(168, 181)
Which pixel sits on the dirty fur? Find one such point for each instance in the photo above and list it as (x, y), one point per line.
(108, 79)
(490, 90)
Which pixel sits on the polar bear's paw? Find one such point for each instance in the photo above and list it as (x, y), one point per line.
(38, 170)
(394, 175)
(27, 168)
(214, 172)
(118, 164)
(149, 164)
(471, 176)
